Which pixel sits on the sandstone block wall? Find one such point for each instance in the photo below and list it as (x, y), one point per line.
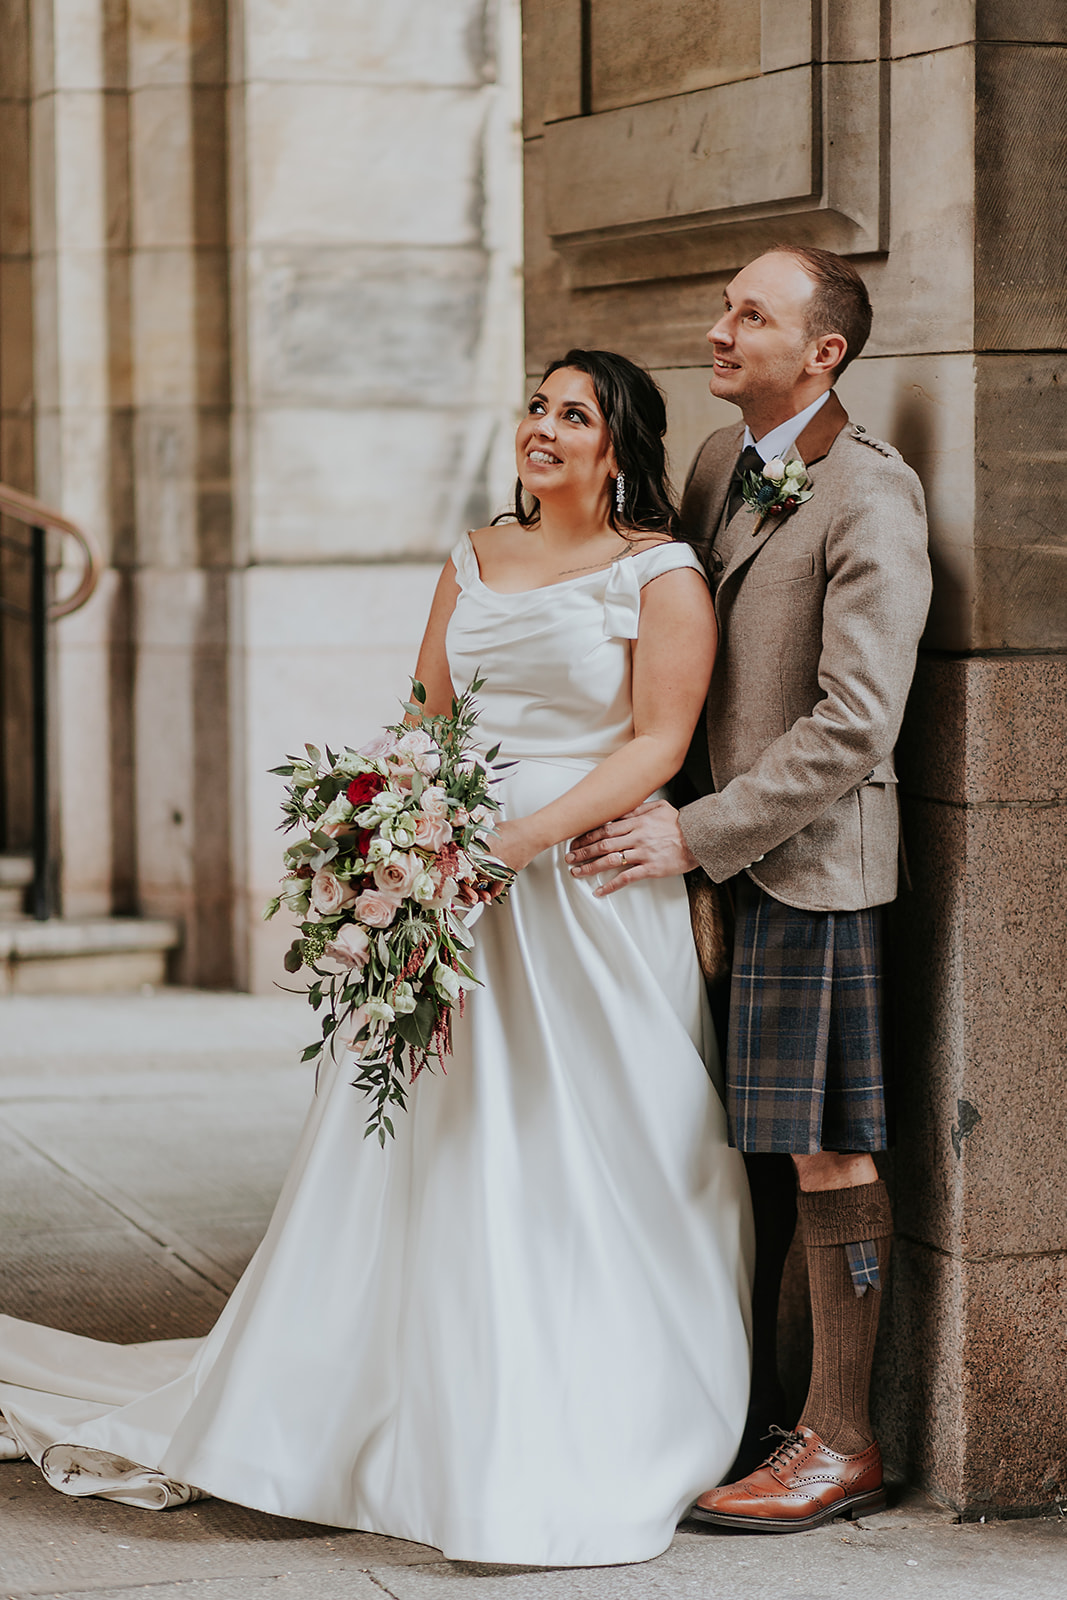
(665, 147)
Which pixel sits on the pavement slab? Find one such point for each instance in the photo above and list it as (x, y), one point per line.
(142, 1142)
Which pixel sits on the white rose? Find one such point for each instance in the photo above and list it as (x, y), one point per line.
(774, 470)
(423, 889)
(338, 811)
(378, 850)
(353, 765)
(400, 831)
(328, 894)
(387, 803)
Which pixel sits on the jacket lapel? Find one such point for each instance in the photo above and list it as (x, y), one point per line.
(811, 446)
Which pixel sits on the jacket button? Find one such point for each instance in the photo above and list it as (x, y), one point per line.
(716, 561)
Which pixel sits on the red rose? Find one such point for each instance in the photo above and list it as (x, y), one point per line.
(364, 788)
(363, 839)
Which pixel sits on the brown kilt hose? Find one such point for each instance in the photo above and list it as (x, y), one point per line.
(804, 1065)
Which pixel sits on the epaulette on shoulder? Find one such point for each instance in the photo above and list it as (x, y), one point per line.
(860, 434)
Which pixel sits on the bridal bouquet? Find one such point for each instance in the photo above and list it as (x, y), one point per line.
(395, 846)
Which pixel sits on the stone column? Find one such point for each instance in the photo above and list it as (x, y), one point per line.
(70, 407)
(179, 453)
(972, 1393)
(16, 411)
(375, 248)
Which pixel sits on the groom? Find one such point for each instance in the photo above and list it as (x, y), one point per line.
(821, 601)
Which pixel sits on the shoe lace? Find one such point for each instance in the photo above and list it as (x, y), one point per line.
(789, 1447)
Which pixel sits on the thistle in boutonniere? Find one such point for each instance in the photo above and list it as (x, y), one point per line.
(778, 489)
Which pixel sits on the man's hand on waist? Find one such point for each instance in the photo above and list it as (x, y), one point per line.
(645, 843)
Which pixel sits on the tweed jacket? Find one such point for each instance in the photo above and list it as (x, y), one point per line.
(820, 614)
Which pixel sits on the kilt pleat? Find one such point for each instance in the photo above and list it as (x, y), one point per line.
(804, 1060)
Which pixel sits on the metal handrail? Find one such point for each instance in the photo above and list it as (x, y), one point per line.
(37, 515)
(40, 518)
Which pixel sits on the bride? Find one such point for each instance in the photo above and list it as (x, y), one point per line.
(518, 1333)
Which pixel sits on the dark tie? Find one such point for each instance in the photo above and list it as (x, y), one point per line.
(748, 461)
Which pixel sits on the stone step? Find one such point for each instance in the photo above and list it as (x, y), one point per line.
(16, 875)
(90, 955)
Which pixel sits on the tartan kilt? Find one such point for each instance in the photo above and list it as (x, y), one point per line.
(804, 1058)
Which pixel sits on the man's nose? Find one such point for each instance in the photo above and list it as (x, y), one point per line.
(720, 334)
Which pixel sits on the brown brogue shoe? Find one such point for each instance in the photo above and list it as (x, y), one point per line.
(801, 1484)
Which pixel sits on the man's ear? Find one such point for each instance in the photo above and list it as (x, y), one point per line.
(827, 355)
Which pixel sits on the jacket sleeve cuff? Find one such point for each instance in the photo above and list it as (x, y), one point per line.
(720, 857)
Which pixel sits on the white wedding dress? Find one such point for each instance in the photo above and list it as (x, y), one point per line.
(518, 1332)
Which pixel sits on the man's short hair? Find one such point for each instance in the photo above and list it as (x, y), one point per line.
(840, 302)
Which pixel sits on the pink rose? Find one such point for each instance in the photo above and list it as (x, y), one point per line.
(383, 745)
(329, 894)
(445, 895)
(351, 947)
(434, 802)
(417, 749)
(431, 833)
(396, 877)
(376, 908)
(464, 868)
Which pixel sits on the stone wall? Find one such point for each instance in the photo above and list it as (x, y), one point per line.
(666, 147)
(260, 330)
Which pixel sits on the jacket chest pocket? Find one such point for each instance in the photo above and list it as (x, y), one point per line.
(790, 571)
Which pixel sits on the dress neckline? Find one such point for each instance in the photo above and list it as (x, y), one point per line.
(562, 583)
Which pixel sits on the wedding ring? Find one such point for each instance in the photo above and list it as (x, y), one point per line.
(622, 857)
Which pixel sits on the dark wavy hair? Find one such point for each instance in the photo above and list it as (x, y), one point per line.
(634, 410)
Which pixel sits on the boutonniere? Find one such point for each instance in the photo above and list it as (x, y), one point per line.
(777, 490)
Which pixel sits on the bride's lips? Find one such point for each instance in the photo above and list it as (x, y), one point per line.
(543, 458)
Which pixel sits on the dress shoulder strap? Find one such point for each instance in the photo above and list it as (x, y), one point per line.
(465, 560)
(622, 598)
(666, 557)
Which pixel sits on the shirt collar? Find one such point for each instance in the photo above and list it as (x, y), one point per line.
(775, 444)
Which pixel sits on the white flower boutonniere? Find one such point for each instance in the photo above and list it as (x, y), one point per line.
(777, 490)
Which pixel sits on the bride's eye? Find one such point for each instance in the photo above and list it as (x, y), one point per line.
(535, 408)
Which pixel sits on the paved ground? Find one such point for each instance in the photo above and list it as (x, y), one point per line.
(142, 1141)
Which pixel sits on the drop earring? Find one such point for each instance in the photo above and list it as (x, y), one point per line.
(620, 493)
